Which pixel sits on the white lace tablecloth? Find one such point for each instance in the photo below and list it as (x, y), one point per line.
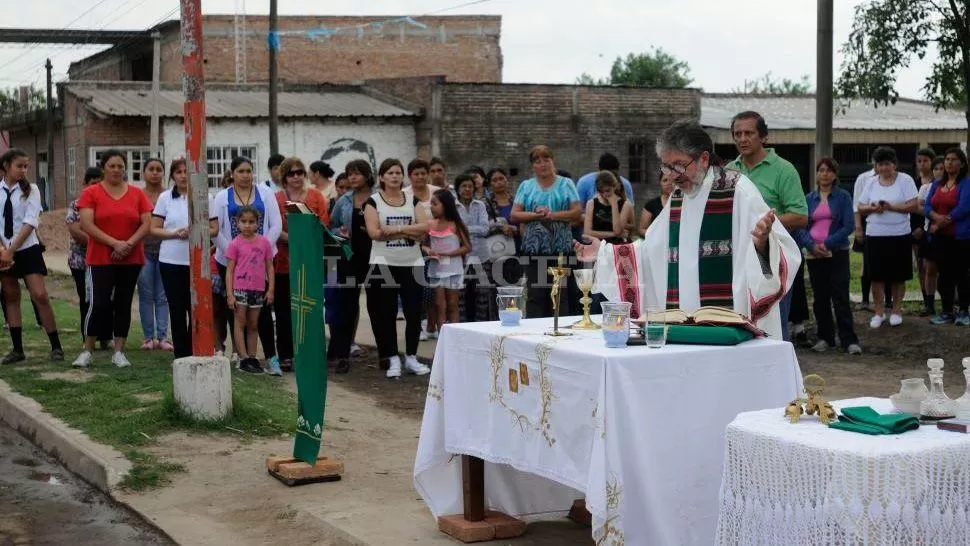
(809, 484)
(639, 432)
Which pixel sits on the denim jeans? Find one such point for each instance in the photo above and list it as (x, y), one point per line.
(152, 304)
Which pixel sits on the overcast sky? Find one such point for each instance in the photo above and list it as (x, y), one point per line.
(543, 41)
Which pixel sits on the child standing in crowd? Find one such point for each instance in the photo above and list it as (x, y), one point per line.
(250, 269)
(449, 240)
(77, 262)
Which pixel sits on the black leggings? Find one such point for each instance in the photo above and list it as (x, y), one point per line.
(383, 287)
(111, 292)
(176, 280)
(284, 320)
(953, 262)
(81, 286)
(348, 310)
(265, 324)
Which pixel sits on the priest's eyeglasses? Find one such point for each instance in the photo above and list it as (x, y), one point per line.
(676, 168)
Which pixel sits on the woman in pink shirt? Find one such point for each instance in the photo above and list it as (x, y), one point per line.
(826, 242)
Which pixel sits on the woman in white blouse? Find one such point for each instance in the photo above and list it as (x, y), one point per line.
(244, 191)
(888, 199)
(170, 224)
(21, 256)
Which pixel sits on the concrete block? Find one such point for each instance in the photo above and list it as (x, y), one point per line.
(203, 387)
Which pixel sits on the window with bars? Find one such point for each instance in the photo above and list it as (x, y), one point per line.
(639, 150)
(135, 159)
(219, 158)
(71, 170)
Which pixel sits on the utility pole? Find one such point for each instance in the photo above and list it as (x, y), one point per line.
(823, 83)
(48, 188)
(274, 78)
(193, 85)
(156, 84)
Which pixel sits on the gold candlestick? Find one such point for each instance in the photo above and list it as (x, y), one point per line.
(584, 280)
(558, 274)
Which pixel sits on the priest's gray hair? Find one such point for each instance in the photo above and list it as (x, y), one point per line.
(685, 136)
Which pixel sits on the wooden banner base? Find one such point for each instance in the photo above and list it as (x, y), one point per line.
(496, 525)
(580, 514)
(293, 472)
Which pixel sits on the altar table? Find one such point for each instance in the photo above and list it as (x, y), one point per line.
(809, 484)
(639, 432)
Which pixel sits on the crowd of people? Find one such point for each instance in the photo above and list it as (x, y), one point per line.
(433, 249)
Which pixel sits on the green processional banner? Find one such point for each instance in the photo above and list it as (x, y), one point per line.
(307, 275)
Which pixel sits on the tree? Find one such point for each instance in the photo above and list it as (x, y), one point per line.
(887, 34)
(767, 85)
(10, 100)
(654, 69)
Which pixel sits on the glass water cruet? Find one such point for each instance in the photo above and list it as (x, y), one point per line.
(963, 403)
(937, 405)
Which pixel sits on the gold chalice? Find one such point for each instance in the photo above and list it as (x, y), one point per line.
(584, 281)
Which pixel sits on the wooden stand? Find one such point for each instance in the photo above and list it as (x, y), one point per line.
(476, 524)
(580, 514)
(292, 471)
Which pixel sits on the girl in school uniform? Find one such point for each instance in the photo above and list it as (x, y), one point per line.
(21, 256)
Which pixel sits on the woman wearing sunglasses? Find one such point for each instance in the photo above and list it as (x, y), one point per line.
(293, 178)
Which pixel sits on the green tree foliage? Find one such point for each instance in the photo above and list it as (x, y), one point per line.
(657, 68)
(768, 85)
(10, 100)
(887, 35)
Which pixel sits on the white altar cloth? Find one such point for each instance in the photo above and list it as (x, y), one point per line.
(809, 484)
(639, 432)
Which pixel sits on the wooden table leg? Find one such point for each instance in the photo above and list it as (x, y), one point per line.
(473, 487)
(475, 524)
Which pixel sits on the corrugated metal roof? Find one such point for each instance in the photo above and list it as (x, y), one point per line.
(790, 112)
(239, 104)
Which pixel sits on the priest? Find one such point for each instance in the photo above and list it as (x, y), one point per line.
(715, 243)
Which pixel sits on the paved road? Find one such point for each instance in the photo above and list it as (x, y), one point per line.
(42, 503)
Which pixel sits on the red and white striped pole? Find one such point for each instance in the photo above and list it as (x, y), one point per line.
(193, 86)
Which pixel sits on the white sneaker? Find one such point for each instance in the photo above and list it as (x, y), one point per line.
(394, 371)
(120, 360)
(433, 335)
(412, 365)
(83, 360)
(877, 321)
(821, 346)
(355, 350)
(854, 349)
(423, 336)
(895, 320)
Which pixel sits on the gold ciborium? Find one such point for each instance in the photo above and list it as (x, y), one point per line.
(559, 273)
(584, 281)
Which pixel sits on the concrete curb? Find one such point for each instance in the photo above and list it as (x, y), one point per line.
(99, 465)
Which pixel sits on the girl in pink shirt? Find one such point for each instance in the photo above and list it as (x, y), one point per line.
(249, 280)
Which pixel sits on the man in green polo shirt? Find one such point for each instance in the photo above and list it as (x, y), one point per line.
(780, 187)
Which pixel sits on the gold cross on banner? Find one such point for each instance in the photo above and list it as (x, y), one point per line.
(304, 306)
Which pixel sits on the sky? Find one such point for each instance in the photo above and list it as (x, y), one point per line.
(725, 42)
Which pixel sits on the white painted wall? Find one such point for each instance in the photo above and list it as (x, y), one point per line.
(307, 139)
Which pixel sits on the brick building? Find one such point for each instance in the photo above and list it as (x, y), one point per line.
(317, 49)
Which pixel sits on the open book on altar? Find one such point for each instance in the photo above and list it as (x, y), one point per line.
(706, 316)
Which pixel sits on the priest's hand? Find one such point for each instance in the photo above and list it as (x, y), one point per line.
(761, 231)
(587, 252)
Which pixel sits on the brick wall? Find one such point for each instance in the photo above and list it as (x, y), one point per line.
(497, 125)
(464, 48)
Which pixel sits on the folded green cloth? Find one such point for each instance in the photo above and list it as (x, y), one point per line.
(865, 420)
(689, 334)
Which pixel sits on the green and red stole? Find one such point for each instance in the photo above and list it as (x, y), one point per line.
(715, 265)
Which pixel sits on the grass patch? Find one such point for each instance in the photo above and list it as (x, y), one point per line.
(112, 406)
